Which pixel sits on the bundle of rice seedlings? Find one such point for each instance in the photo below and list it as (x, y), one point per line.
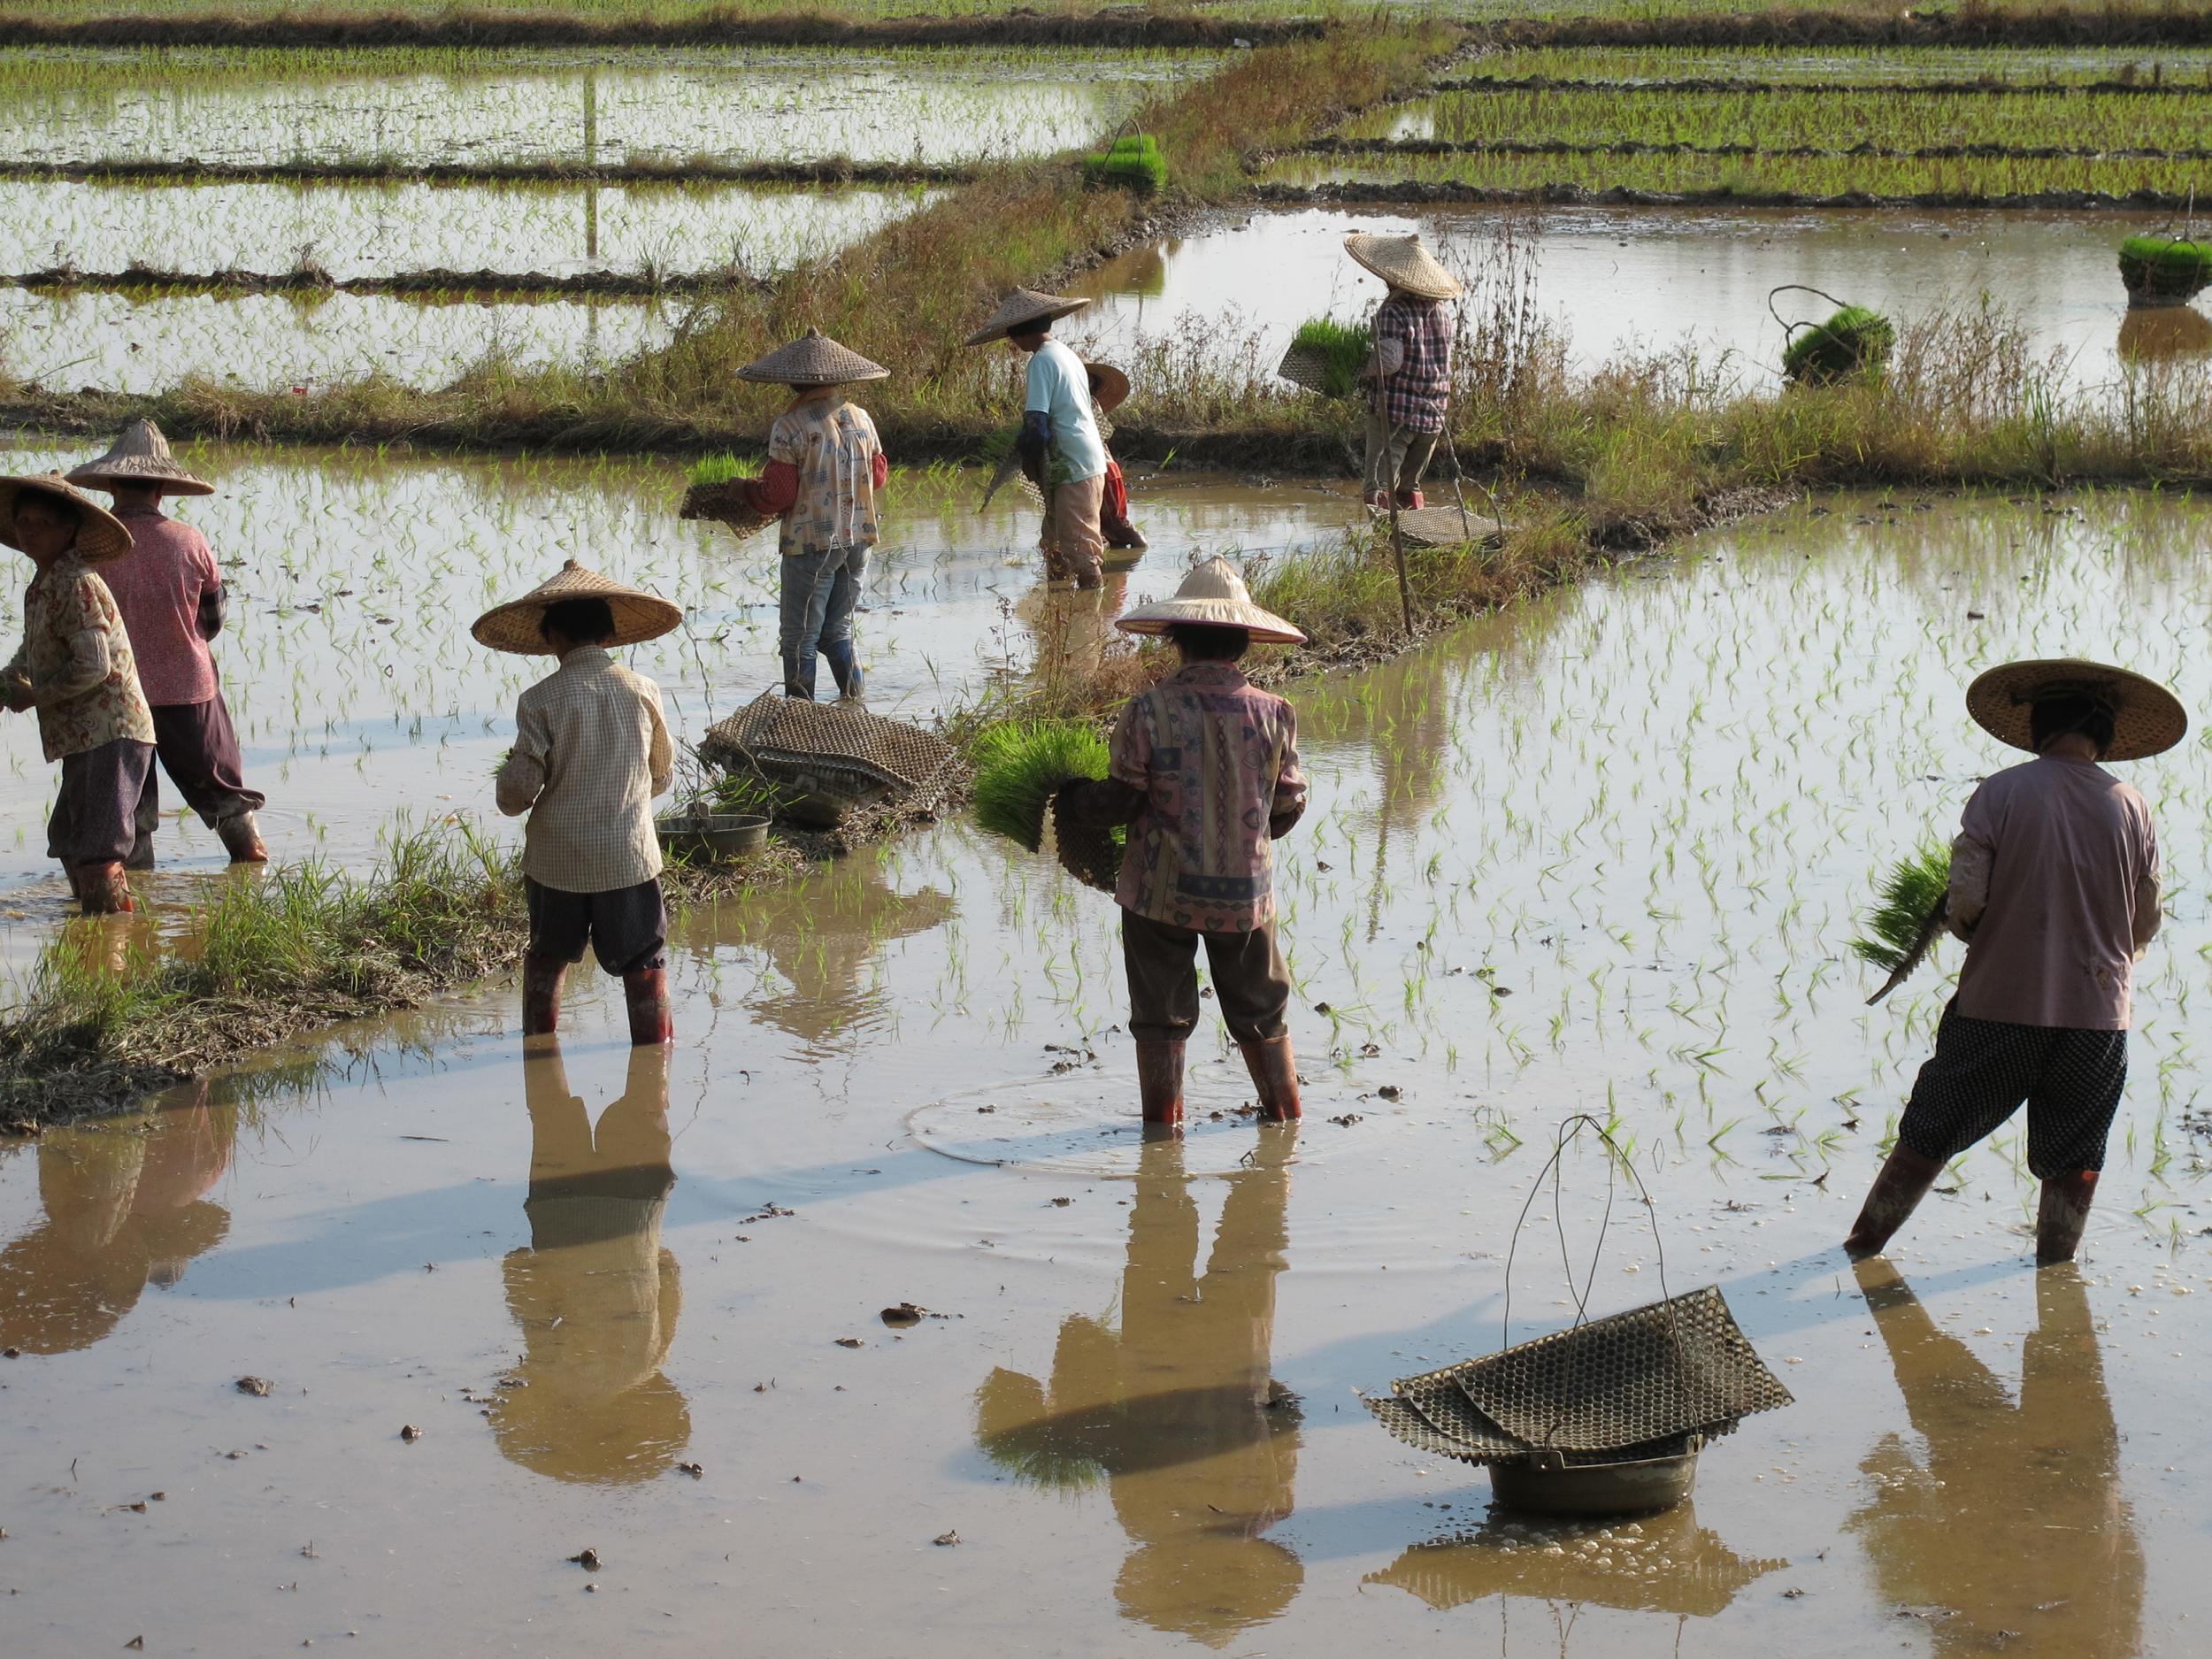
(1092, 855)
(1020, 764)
(1853, 341)
(1326, 355)
(1132, 163)
(2164, 270)
(718, 492)
(1908, 918)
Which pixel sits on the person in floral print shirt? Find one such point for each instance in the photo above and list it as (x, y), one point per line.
(75, 668)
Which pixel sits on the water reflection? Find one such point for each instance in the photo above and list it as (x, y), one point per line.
(1177, 1412)
(126, 1205)
(2014, 1524)
(596, 1294)
(2149, 334)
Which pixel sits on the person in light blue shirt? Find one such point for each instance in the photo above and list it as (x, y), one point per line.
(1059, 443)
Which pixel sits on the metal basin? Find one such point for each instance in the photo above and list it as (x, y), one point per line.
(1546, 1484)
(715, 835)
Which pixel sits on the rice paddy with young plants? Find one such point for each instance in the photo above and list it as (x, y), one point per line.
(1978, 70)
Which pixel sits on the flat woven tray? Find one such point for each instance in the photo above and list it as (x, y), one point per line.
(774, 734)
(724, 503)
(1443, 526)
(1307, 366)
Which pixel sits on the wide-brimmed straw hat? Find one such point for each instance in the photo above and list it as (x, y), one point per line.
(1109, 387)
(141, 455)
(2146, 719)
(1213, 595)
(638, 616)
(100, 533)
(1025, 306)
(813, 360)
(1404, 263)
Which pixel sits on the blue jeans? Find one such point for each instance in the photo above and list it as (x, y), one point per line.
(820, 592)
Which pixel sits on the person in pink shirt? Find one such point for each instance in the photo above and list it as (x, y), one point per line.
(2054, 886)
(171, 594)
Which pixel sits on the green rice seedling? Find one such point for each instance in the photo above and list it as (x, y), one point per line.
(1133, 161)
(1325, 355)
(2161, 268)
(1907, 917)
(1021, 764)
(718, 469)
(1853, 341)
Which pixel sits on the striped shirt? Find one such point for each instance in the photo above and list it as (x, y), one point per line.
(1417, 393)
(591, 751)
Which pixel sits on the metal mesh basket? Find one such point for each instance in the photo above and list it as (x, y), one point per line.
(1307, 366)
(1092, 855)
(792, 739)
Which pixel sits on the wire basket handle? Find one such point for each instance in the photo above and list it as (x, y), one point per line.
(1789, 330)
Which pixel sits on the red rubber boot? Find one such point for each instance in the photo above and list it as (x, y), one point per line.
(541, 978)
(1896, 1193)
(1275, 1075)
(646, 989)
(103, 889)
(1160, 1085)
(2062, 1216)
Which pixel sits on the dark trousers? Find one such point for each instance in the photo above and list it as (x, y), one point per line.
(627, 927)
(1983, 1069)
(1250, 980)
(198, 747)
(96, 811)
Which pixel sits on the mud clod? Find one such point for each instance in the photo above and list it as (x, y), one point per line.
(258, 1386)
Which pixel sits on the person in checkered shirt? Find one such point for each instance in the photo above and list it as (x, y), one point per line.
(1411, 367)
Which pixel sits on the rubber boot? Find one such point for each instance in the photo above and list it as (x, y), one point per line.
(1120, 533)
(1379, 500)
(103, 889)
(1896, 1193)
(844, 662)
(1411, 500)
(242, 839)
(541, 978)
(2062, 1215)
(646, 989)
(1275, 1075)
(1160, 1085)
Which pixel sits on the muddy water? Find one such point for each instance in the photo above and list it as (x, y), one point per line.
(358, 693)
(1646, 809)
(1615, 281)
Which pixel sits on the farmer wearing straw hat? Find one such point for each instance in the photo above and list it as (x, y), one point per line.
(1059, 443)
(1205, 773)
(2054, 886)
(171, 594)
(1411, 367)
(75, 667)
(591, 751)
(1110, 390)
(825, 467)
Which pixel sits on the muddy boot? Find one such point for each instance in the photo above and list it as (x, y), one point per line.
(2062, 1215)
(103, 889)
(541, 978)
(1275, 1075)
(1160, 1085)
(1379, 500)
(646, 989)
(844, 662)
(242, 839)
(1120, 533)
(1896, 1193)
(1411, 500)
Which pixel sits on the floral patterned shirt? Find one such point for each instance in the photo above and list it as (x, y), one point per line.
(71, 629)
(1216, 758)
(834, 446)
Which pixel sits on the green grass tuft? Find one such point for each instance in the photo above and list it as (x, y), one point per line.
(1853, 341)
(1343, 350)
(1916, 886)
(718, 469)
(1021, 764)
(2164, 268)
(1133, 163)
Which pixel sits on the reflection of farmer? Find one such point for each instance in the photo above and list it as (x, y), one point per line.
(1059, 440)
(2014, 1521)
(825, 467)
(2054, 886)
(596, 1294)
(124, 1204)
(1197, 1442)
(1411, 367)
(170, 594)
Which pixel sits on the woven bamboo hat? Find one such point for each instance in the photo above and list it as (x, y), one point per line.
(638, 616)
(1025, 306)
(2146, 719)
(1109, 387)
(1404, 263)
(1212, 596)
(141, 455)
(100, 533)
(813, 360)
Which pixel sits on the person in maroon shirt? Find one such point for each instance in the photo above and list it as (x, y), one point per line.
(171, 594)
(2054, 886)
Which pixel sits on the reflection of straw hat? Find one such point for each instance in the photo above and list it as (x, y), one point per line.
(1404, 263)
(1212, 596)
(141, 455)
(513, 626)
(813, 360)
(1109, 387)
(1025, 306)
(100, 533)
(2146, 719)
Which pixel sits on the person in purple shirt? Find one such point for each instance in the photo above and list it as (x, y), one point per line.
(2054, 886)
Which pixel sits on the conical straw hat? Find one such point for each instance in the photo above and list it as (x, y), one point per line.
(638, 616)
(1109, 387)
(100, 533)
(2146, 719)
(1212, 596)
(1025, 305)
(141, 455)
(1404, 263)
(813, 360)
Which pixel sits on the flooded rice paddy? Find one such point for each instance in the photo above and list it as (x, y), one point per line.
(1622, 280)
(1602, 854)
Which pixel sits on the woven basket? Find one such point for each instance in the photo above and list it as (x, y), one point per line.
(1092, 855)
(831, 749)
(724, 503)
(1306, 367)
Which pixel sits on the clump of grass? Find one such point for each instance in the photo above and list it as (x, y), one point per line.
(1897, 930)
(1021, 764)
(717, 469)
(1853, 341)
(1133, 162)
(1333, 353)
(2163, 268)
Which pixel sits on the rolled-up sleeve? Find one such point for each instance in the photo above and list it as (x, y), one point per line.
(522, 777)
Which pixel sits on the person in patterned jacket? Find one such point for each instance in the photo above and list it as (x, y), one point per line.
(1411, 369)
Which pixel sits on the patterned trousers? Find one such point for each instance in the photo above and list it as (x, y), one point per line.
(1983, 1069)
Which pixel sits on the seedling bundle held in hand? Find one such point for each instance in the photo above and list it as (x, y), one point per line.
(1327, 357)
(1909, 916)
(1021, 767)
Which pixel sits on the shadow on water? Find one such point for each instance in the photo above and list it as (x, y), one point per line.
(1178, 1411)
